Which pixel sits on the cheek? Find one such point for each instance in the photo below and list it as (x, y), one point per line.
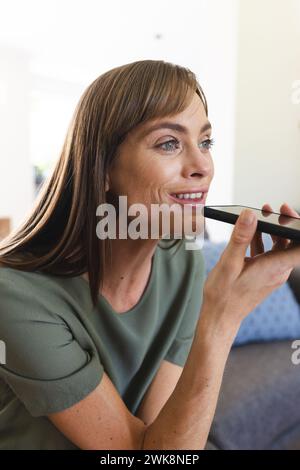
(212, 168)
(156, 176)
(150, 174)
(137, 181)
(143, 176)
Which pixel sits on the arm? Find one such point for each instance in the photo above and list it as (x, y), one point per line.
(185, 420)
(159, 391)
(102, 421)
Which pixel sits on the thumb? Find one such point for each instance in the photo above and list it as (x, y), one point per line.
(243, 232)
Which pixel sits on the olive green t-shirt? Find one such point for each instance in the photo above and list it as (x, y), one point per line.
(58, 345)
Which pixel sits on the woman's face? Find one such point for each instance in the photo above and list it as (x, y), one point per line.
(166, 160)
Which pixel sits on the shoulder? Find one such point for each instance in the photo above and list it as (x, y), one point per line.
(10, 275)
(51, 361)
(26, 281)
(34, 294)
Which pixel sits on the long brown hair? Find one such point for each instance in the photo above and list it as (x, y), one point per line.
(59, 236)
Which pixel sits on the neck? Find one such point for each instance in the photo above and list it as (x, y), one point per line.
(130, 264)
(127, 275)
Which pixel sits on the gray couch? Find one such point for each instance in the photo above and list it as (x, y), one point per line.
(259, 401)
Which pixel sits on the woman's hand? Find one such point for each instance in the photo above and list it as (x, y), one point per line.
(257, 245)
(236, 285)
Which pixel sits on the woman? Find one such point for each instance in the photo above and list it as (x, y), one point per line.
(119, 343)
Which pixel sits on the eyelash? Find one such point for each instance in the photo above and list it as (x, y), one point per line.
(210, 143)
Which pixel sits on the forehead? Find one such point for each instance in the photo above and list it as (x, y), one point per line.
(193, 116)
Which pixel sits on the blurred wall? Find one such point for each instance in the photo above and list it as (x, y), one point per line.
(16, 177)
(267, 150)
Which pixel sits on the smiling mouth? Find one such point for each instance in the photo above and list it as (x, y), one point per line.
(192, 198)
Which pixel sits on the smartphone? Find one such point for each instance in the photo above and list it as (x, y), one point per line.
(268, 222)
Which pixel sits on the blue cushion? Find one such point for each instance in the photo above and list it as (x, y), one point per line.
(276, 318)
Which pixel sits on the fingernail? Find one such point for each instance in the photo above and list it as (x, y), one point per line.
(247, 217)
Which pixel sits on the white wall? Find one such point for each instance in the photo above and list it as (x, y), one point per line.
(216, 62)
(267, 155)
(16, 178)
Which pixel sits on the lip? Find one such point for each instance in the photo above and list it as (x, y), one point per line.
(192, 190)
(191, 202)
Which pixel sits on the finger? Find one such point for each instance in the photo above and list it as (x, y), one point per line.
(275, 238)
(281, 244)
(257, 246)
(290, 257)
(284, 243)
(235, 252)
(278, 242)
(267, 207)
(285, 209)
(293, 243)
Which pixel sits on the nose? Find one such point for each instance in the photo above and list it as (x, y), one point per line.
(198, 164)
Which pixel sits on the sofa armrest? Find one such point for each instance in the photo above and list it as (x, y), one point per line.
(258, 407)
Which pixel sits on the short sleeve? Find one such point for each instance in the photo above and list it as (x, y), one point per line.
(181, 345)
(47, 367)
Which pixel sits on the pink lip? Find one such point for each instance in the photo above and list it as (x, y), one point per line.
(191, 202)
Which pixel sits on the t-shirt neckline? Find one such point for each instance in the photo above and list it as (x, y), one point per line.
(102, 300)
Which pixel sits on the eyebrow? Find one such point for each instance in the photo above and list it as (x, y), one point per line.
(174, 126)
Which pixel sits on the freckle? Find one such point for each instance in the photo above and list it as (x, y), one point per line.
(122, 277)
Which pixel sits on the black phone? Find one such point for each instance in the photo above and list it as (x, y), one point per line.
(268, 222)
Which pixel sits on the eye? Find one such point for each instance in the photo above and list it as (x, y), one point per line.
(169, 145)
(174, 144)
(207, 144)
